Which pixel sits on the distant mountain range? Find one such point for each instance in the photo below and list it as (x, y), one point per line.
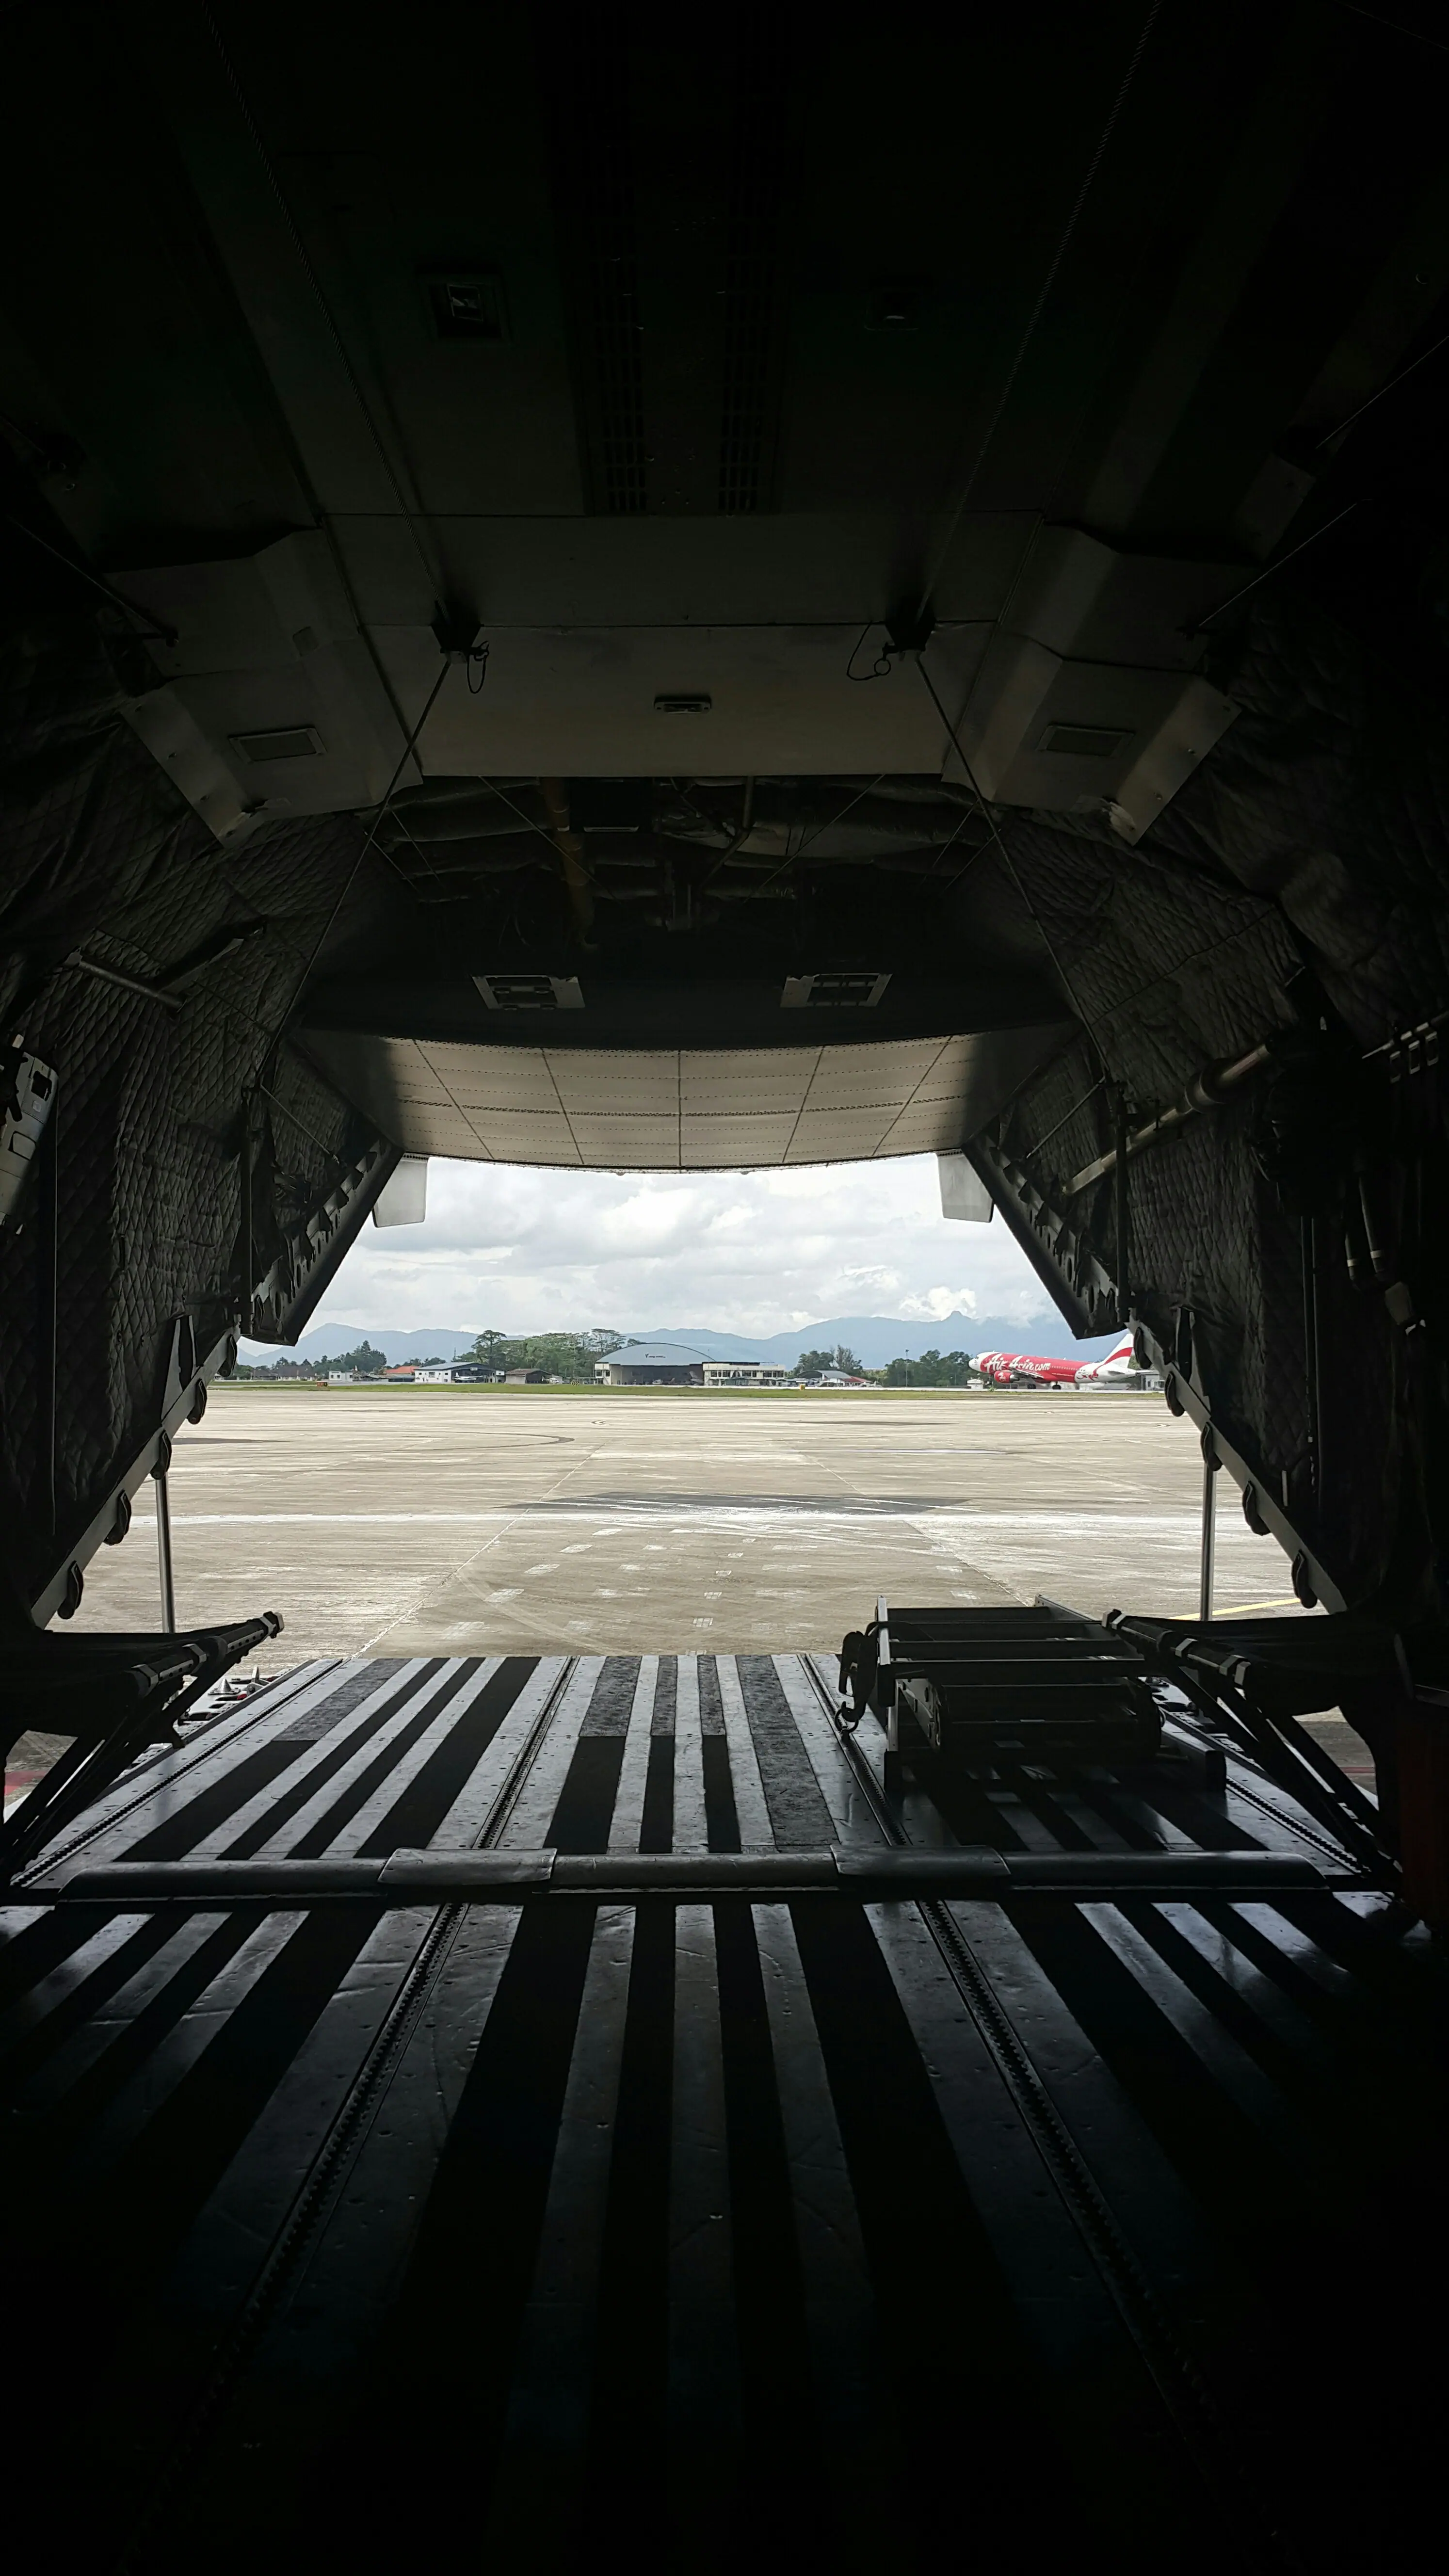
(875, 1339)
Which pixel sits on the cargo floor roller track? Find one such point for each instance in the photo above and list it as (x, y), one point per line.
(761, 2210)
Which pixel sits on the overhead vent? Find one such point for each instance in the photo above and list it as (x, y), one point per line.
(1084, 742)
(844, 992)
(683, 703)
(530, 992)
(465, 303)
(284, 742)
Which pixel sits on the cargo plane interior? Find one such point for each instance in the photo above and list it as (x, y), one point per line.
(616, 590)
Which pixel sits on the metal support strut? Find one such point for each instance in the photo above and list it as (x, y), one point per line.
(163, 1537)
(1209, 1526)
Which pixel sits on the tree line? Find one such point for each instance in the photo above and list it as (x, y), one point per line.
(363, 1362)
(571, 1356)
(933, 1368)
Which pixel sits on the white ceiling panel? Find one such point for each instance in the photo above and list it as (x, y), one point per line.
(385, 1097)
(850, 1077)
(493, 1077)
(823, 1100)
(764, 1079)
(708, 1066)
(728, 1144)
(600, 1137)
(705, 1109)
(519, 1136)
(440, 1131)
(931, 1127)
(838, 1135)
(449, 1057)
(741, 1096)
(484, 1099)
(946, 1065)
(631, 1150)
(946, 1083)
(617, 1082)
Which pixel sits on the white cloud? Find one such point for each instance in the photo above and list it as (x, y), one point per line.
(752, 1252)
(933, 1305)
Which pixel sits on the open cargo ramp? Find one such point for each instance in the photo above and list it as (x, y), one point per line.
(747, 2216)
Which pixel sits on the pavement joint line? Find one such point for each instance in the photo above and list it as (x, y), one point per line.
(783, 1509)
(455, 1537)
(454, 1573)
(1240, 1609)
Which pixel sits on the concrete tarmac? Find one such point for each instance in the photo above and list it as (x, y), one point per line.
(469, 1521)
(412, 1521)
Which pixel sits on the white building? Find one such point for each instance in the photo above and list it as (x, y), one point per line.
(651, 1364)
(674, 1364)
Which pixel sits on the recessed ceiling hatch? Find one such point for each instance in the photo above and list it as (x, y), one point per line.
(840, 992)
(531, 992)
(1085, 742)
(283, 742)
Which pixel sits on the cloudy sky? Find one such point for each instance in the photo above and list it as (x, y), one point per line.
(753, 1252)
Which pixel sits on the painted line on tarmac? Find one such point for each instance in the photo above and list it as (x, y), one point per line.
(949, 1514)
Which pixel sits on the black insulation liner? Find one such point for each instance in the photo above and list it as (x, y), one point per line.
(99, 852)
(1313, 838)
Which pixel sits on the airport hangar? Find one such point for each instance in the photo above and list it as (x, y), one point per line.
(773, 595)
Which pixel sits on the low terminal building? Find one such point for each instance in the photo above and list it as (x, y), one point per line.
(674, 1364)
(652, 1364)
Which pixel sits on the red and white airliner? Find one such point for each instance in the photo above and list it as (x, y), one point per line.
(1020, 1368)
(1115, 1369)
(1023, 1368)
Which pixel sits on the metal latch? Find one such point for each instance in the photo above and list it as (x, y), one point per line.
(31, 1099)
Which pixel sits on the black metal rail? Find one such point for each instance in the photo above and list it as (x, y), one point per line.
(324, 2178)
(1174, 2373)
(487, 1877)
(197, 1747)
(554, 2030)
